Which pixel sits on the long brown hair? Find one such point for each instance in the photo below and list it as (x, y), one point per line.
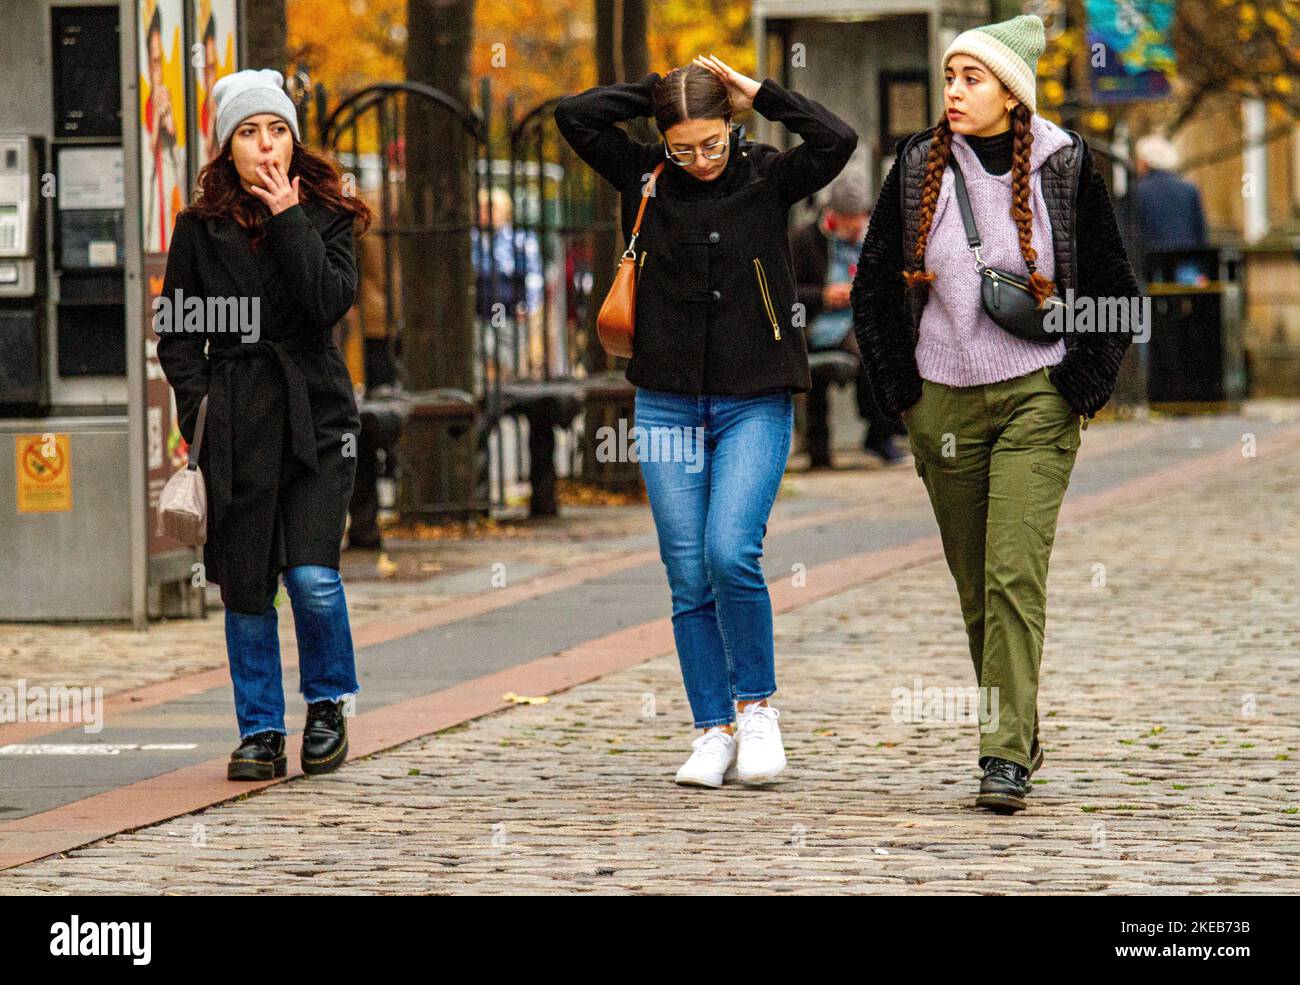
(220, 195)
(937, 161)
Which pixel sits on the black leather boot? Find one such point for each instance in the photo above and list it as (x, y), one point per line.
(1003, 787)
(324, 737)
(259, 757)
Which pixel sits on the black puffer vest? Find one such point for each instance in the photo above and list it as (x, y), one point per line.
(1060, 178)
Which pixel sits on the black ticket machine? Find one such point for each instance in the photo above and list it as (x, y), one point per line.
(22, 284)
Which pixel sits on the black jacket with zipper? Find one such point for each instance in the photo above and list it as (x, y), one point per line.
(716, 304)
(885, 313)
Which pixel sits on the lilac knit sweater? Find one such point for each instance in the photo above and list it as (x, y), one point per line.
(958, 343)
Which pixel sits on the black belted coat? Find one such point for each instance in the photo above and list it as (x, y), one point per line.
(279, 452)
(715, 300)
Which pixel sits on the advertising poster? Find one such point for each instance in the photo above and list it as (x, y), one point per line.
(1137, 59)
(162, 120)
(169, 59)
(214, 56)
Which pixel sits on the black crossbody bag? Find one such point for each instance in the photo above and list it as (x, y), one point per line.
(1005, 296)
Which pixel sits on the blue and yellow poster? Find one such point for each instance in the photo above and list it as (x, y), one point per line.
(1130, 51)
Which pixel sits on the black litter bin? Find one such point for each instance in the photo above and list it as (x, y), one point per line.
(1196, 357)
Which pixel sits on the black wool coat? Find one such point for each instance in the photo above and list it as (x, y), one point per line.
(279, 451)
(716, 303)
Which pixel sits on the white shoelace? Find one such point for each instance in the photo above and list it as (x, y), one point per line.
(756, 721)
(712, 736)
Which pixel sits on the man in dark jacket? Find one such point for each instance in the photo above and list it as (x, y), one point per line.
(825, 255)
(1169, 212)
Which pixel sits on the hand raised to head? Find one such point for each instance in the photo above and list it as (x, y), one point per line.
(741, 89)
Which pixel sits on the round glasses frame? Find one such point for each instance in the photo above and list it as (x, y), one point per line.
(689, 155)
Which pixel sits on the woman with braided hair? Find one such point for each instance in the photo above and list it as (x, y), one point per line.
(994, 419)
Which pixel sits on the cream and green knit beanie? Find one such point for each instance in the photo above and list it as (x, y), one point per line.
(1010, 49)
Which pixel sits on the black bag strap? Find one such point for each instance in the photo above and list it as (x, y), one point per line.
(197, 444)
(967, 215)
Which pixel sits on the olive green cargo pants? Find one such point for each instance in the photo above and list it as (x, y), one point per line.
(996, 460)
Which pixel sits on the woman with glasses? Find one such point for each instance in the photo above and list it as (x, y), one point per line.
(719, 352)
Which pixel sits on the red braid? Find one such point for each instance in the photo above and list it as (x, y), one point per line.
(1039, 285)
(935, 163)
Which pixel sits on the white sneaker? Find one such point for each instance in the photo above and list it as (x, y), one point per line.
(712, 761)
(760, 755)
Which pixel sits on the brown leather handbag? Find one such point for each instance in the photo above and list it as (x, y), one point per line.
(616, 323)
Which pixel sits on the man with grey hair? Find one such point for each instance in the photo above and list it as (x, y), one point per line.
(1169, 212)
(825, 256)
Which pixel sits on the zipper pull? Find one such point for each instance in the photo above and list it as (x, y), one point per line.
(995, 289)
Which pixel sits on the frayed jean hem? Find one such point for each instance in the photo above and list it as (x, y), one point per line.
(716, 721)
(338, 697)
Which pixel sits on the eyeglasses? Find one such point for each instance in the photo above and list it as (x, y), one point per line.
(712, 152)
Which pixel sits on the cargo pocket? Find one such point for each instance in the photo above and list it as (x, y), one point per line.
(1044, 493)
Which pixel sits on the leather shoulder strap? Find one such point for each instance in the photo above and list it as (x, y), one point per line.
(963, 202)
(197, 444)
(645, 197)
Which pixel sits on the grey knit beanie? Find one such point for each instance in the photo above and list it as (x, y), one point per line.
(240, 95)
(848, 193)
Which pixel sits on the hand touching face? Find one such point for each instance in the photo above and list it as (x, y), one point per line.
(280, 193)
(262, 149)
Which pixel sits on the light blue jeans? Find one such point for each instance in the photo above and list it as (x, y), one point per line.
(712, 467)
(326, 662)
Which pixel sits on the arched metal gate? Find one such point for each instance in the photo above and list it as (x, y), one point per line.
(528, 240)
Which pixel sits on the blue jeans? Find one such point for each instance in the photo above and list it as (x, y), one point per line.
(326, 663)
(712, 465)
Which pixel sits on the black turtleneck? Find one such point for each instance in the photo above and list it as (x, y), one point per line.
(994, 152)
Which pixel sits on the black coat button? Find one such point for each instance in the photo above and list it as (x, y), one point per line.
(714, 237)
(716, 295)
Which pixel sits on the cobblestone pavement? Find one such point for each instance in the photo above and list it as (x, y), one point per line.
(1171, 716)
(118, 658)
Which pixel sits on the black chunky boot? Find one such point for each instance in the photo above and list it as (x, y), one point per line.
(259, 757)
(1003, 787)
(324, 737)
